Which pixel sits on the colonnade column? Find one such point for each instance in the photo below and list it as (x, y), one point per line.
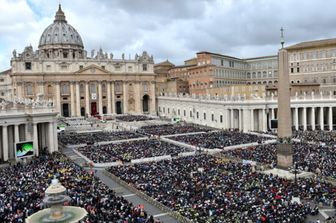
(264, 127)
(108, 86)
(231, 121)
(321, 118)
(304, 111)
(87, 99)
(51, 137)
(100, 98)
(313, 118)
(330, 118)
(58, 97)
(296, 118)
(72, 99)
(240, 119)
(55, 141)
(16, 134)
(5, 142)
(113, 98)
(252, 120)
(78, 100)
(35, 139)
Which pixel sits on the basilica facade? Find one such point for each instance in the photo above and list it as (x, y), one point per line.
(79, 84)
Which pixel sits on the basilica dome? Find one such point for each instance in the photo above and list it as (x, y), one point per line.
(60, 34)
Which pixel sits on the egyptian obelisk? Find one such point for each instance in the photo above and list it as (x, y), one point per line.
(284, 147)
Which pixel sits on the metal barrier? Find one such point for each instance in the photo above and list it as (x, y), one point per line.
(149, 199)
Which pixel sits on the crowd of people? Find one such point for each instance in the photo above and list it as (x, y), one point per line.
(22, 188)
(204, 189)
(172, 129)
(133, 118)
(317, 136)
(127, 151)
(72, 138)
(221, 139)
(309, 157)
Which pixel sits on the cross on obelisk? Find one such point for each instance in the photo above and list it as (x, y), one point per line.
(284, 147)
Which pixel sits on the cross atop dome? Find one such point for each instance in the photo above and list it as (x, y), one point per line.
(60, 17)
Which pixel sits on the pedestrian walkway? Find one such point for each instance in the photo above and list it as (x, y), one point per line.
(121, 191)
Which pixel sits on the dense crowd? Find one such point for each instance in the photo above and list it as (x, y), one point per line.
(207, 189)
(71, 138)
(127, 151)
(133, 118)
(317, 136)
(172, 129)
(212, 140)
(309, 157)
(22, 188)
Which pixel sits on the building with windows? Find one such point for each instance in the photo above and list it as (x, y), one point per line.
(80, 84)
(5, 85)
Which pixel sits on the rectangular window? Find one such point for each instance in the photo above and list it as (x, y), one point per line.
(184, 113)
(144, 67)
(178, 111)
(204, 116)
(28, 65)
(298, 69)
(168, 111)
(197, 115)
(221, 118)
(80, 67)
(103, 67)
(190, 114)
(29, 90)
(212, 117)
(292, 70)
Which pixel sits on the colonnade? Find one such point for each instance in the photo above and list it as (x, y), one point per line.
(249, 115)
(42, 134)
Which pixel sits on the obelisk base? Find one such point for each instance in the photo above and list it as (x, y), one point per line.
(284, 156)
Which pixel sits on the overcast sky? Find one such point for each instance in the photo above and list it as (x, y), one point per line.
(170, 29)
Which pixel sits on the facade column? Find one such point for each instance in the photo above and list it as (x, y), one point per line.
(137, 91)
(5, 142)
(296, 118)
(100, 98)
(72, 99)
(19, 92)
(152, 97)
(113, 98)
(321, 118)
(108, 86)
(78, 100)
(51, 137)
(252, 119)
(330, 118)
(125, 97)
(304, 111)
(87, 99)
(35, 139)
(41, 87)
(313, 118)
(58, 98)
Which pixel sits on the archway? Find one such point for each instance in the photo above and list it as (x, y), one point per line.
(82, 110)
(93, 108)
(65, 110)
(145, 103)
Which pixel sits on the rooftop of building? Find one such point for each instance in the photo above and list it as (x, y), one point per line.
(313, 44)
(218, 54)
